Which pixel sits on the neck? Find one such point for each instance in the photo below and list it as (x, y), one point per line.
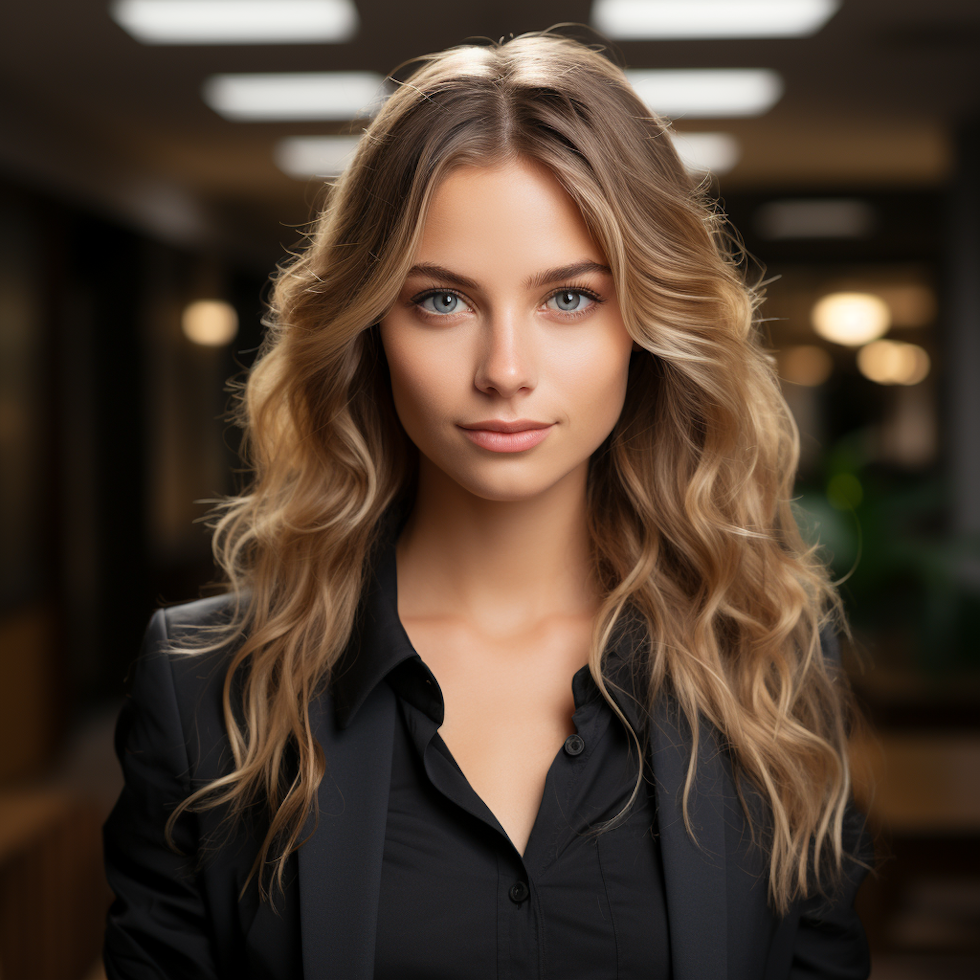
(503, 564)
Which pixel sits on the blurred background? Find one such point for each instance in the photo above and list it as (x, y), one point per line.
(159, 157)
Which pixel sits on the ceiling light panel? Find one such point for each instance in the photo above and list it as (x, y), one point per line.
(315, 156)
(295, 96)
(714, 153)
(709, 92)
(236, 21)
(672, 20)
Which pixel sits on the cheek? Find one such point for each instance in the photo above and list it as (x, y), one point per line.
(405, 388)
(418, 382)
(599, 375)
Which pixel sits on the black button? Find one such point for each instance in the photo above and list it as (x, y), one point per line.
(518, 892)
(574, 745)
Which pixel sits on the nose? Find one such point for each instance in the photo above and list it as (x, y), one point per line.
(506, 365)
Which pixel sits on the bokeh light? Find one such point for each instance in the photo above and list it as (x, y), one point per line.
(892, 362)
(210, 322)
(851, 319)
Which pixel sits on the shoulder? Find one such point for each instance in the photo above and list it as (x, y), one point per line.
(176, 685)
(189, 618)
(185, 638)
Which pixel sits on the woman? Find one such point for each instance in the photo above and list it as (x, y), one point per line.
(519, 672)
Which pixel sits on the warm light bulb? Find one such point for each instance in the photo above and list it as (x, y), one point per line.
(851, 319)
(210, 322)
(891, 362)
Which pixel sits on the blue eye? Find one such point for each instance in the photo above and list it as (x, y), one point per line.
(570, 301)
(442, 303)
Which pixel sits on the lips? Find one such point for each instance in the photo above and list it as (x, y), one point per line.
(501, 436)
(499, 425)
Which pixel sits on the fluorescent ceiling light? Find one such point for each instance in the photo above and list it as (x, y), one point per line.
(815, 218)
(236, 21)
(315, 156)
(327, 156)
(715, 153)
(707, 92)
(671, 20)
(306, 95)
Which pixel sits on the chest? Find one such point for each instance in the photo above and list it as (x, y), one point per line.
(508, 708)
(351, 838)
(457, 900)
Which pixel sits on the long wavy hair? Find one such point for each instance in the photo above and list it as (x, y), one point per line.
(692, 532)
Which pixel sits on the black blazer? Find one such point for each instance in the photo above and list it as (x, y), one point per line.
(183, 917)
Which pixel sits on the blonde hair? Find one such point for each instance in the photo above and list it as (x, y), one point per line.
(689, 498)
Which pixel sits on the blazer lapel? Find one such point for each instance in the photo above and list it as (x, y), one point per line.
(340, 865)
(694, 874)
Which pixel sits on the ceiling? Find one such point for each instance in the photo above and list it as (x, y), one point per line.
(88, 113)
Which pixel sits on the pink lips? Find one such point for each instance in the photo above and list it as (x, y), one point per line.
(507, 437)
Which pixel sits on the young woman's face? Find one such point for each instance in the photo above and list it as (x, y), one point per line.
(507, 349)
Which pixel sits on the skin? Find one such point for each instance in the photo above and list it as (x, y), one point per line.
(494, 587)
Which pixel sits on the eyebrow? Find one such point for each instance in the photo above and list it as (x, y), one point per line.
(536, 281)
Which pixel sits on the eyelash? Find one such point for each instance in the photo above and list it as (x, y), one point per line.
(419, 298)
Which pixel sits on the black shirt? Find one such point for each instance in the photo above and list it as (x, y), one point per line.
(458, 901)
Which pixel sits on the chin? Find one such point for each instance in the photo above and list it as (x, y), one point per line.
(506, 495)
(507, 487)
(494, 489)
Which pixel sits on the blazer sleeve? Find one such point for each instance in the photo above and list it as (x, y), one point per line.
(158, 925)
(830, 942)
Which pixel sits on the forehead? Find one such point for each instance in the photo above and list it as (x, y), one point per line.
(502, 216)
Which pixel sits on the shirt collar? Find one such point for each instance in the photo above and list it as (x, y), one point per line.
(379, 644)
